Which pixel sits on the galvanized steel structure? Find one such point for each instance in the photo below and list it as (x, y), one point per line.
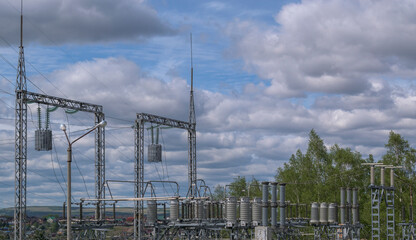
(23, 97)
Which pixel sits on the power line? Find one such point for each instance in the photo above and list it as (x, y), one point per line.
(82, 176)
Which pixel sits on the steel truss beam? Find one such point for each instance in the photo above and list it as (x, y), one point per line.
(63, 103)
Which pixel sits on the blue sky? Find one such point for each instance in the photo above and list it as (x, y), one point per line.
(266, 73)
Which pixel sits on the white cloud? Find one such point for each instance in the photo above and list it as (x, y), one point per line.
(57, 22)
(329, 46)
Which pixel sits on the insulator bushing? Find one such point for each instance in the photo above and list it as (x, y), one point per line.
(231, 211)
(332, 213)
(256, 210)
(245, 215)
(151, 211)
(323, 213)
(314, 214)
(174, 210)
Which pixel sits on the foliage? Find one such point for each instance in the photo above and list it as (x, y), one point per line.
(318, 175)
(219, 193)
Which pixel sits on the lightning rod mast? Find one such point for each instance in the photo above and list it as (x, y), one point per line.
(192, 136)
(20, 141)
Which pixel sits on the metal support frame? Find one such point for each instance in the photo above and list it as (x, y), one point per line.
(408, 230)
(20, 144)
(23, 97)
(141, 119)
(390, 221)
(376, 193)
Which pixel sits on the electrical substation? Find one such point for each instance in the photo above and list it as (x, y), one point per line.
(196, 215)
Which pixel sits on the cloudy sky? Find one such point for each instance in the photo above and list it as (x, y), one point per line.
(266, 73)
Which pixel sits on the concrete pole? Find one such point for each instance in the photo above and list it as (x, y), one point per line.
(68, 194)
(265, 204)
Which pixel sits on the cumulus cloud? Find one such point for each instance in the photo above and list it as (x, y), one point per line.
(329, 46)
(58, 22)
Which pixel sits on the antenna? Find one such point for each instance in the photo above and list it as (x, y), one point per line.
(21, 23)
(192, 69)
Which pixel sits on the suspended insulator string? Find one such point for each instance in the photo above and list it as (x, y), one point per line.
(39, 118)
(47, 119)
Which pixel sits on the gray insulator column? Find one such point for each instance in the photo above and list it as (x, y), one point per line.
(231, 211)
(256, 210)
(372, 175)
(282, 205)
(314, 213)
(355, 209)
(174, 210)
(392, 177)
(342, 206)
(273, 204)
(245, 215)
(332, 213)
(224, 209)
(265, 204)
(349, 205)
(151, 211)
(382, 176)
(323, 213)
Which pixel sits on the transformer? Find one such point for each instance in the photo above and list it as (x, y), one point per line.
(43, 140)
(154, 153)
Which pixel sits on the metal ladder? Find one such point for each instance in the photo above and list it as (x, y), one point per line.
(375, 213)
(390, 213)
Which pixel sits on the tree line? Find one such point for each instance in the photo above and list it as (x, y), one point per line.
(318, 174)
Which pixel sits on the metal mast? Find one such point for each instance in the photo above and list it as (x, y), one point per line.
(20, 141)
(192, 136)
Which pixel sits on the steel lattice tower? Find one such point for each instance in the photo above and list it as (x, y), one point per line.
(20, 142)
(192, 137)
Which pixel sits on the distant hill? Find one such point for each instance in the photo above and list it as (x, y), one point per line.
(41, 211)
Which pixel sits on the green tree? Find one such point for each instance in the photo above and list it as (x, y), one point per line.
(254, 188)
(238, 187)
(54, 227)
(219, 193)
(400, 153)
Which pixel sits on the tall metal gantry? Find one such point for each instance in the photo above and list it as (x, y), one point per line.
(21, 155)
(141, 119)
(23, 97)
